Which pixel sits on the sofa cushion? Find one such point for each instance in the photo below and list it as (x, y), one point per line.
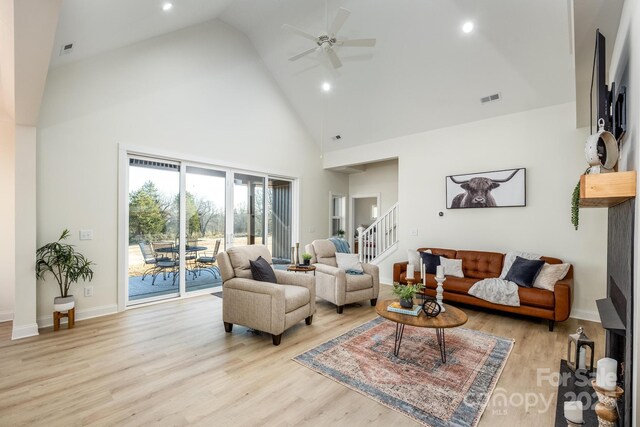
(510, 257)
(357, 282)
(261, 271)
(536, 297)
(295, 297)
(449, 253)
(451, 267)
(549, 275)
(480, 265)
(431, 262)
(524, 271)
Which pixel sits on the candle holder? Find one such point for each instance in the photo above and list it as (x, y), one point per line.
(439, 290)
(606, 408)
(572, 424)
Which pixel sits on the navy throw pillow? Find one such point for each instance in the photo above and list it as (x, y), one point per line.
(262, 271)
(430, 262)
(524, 271)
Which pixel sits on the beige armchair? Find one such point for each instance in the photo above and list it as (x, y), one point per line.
(334, 285)
(263, 306)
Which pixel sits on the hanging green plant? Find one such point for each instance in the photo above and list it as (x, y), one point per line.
(575, 206)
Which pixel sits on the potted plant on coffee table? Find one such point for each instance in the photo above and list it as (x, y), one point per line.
(66, 265)
(406, 293)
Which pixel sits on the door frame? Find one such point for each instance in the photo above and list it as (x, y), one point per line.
(352, 213)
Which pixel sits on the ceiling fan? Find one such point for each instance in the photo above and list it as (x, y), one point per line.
(328, 40)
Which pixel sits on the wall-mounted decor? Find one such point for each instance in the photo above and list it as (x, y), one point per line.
(487, 189)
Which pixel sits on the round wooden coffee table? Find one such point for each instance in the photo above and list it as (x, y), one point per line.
(451, 318)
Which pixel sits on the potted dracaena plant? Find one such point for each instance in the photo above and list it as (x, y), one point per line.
(406, 293)
(66, 265)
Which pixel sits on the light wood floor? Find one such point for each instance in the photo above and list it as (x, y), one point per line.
(173, 364)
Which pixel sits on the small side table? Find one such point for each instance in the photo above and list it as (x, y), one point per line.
(299, 269)
(57, 315)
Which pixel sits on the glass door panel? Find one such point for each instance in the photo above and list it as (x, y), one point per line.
(248, 210)
(205, 226)
(154, 217)
(279, 212)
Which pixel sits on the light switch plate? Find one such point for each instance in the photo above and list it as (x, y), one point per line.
(413, 232)
(86, 234)
(88, 291)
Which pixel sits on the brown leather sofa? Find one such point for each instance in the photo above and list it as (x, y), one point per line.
(552, 306)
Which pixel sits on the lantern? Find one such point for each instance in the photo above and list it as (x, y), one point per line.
(576, 348)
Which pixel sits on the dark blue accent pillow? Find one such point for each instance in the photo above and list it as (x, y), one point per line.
(524, 271)
(262, 271)
(430, 262)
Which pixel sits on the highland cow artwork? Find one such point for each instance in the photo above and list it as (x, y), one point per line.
(505, 188)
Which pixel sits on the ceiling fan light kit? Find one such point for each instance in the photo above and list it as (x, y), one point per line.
(327, 41)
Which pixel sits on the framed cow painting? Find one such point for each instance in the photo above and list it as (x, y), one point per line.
(496, 189)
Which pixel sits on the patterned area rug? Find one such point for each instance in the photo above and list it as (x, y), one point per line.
(416, 382)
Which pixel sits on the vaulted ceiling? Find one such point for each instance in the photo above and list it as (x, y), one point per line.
(424, 72)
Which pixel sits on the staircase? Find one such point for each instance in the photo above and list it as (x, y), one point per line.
(380, 237)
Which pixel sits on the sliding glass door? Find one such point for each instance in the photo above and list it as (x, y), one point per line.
(205, 207)
(181, 215)
(154, 221)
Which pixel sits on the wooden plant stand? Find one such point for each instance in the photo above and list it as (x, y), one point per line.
(57, 315)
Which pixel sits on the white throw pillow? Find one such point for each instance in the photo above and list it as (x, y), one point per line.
(414, 259)
(510, 257)
(452, 267)
(549, 274)
(348, 262)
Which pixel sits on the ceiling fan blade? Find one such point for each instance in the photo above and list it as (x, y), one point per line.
(298, 31)
(357, 43)
(301, 54)
(339, 20)
(333, 58)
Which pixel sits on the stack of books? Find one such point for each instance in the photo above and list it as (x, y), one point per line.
(397, 308)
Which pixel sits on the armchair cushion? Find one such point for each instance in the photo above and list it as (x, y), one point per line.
(262, 271)
(240, 256)
(325, 252)
(348, 262)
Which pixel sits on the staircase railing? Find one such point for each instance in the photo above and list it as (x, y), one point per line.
(379, 237)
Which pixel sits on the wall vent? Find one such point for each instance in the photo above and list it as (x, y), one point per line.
(336, 138)
(66, 49)
(491, 98)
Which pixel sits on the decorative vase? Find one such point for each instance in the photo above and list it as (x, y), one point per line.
(64, 303)
(406, 303)
(306, 261)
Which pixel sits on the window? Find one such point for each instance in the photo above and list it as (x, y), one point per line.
(337, 214)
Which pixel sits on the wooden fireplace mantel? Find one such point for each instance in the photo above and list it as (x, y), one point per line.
(607, 189)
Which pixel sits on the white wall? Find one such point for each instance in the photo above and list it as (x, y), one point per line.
(7, 218)
(362, 211)
(380, 177)
(200, 92)
(545, 142)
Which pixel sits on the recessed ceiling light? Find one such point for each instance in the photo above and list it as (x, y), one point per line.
(167, 6)
(326, 86)
(467, 27)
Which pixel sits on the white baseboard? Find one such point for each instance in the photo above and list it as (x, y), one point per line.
(386, 280)
(46, 321)
(6, 316)
(585, 315)
(24, 331)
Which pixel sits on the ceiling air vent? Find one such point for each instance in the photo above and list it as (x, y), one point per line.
(491, 98)
(66, 49)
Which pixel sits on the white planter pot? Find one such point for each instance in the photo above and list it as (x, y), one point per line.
(63, 304)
